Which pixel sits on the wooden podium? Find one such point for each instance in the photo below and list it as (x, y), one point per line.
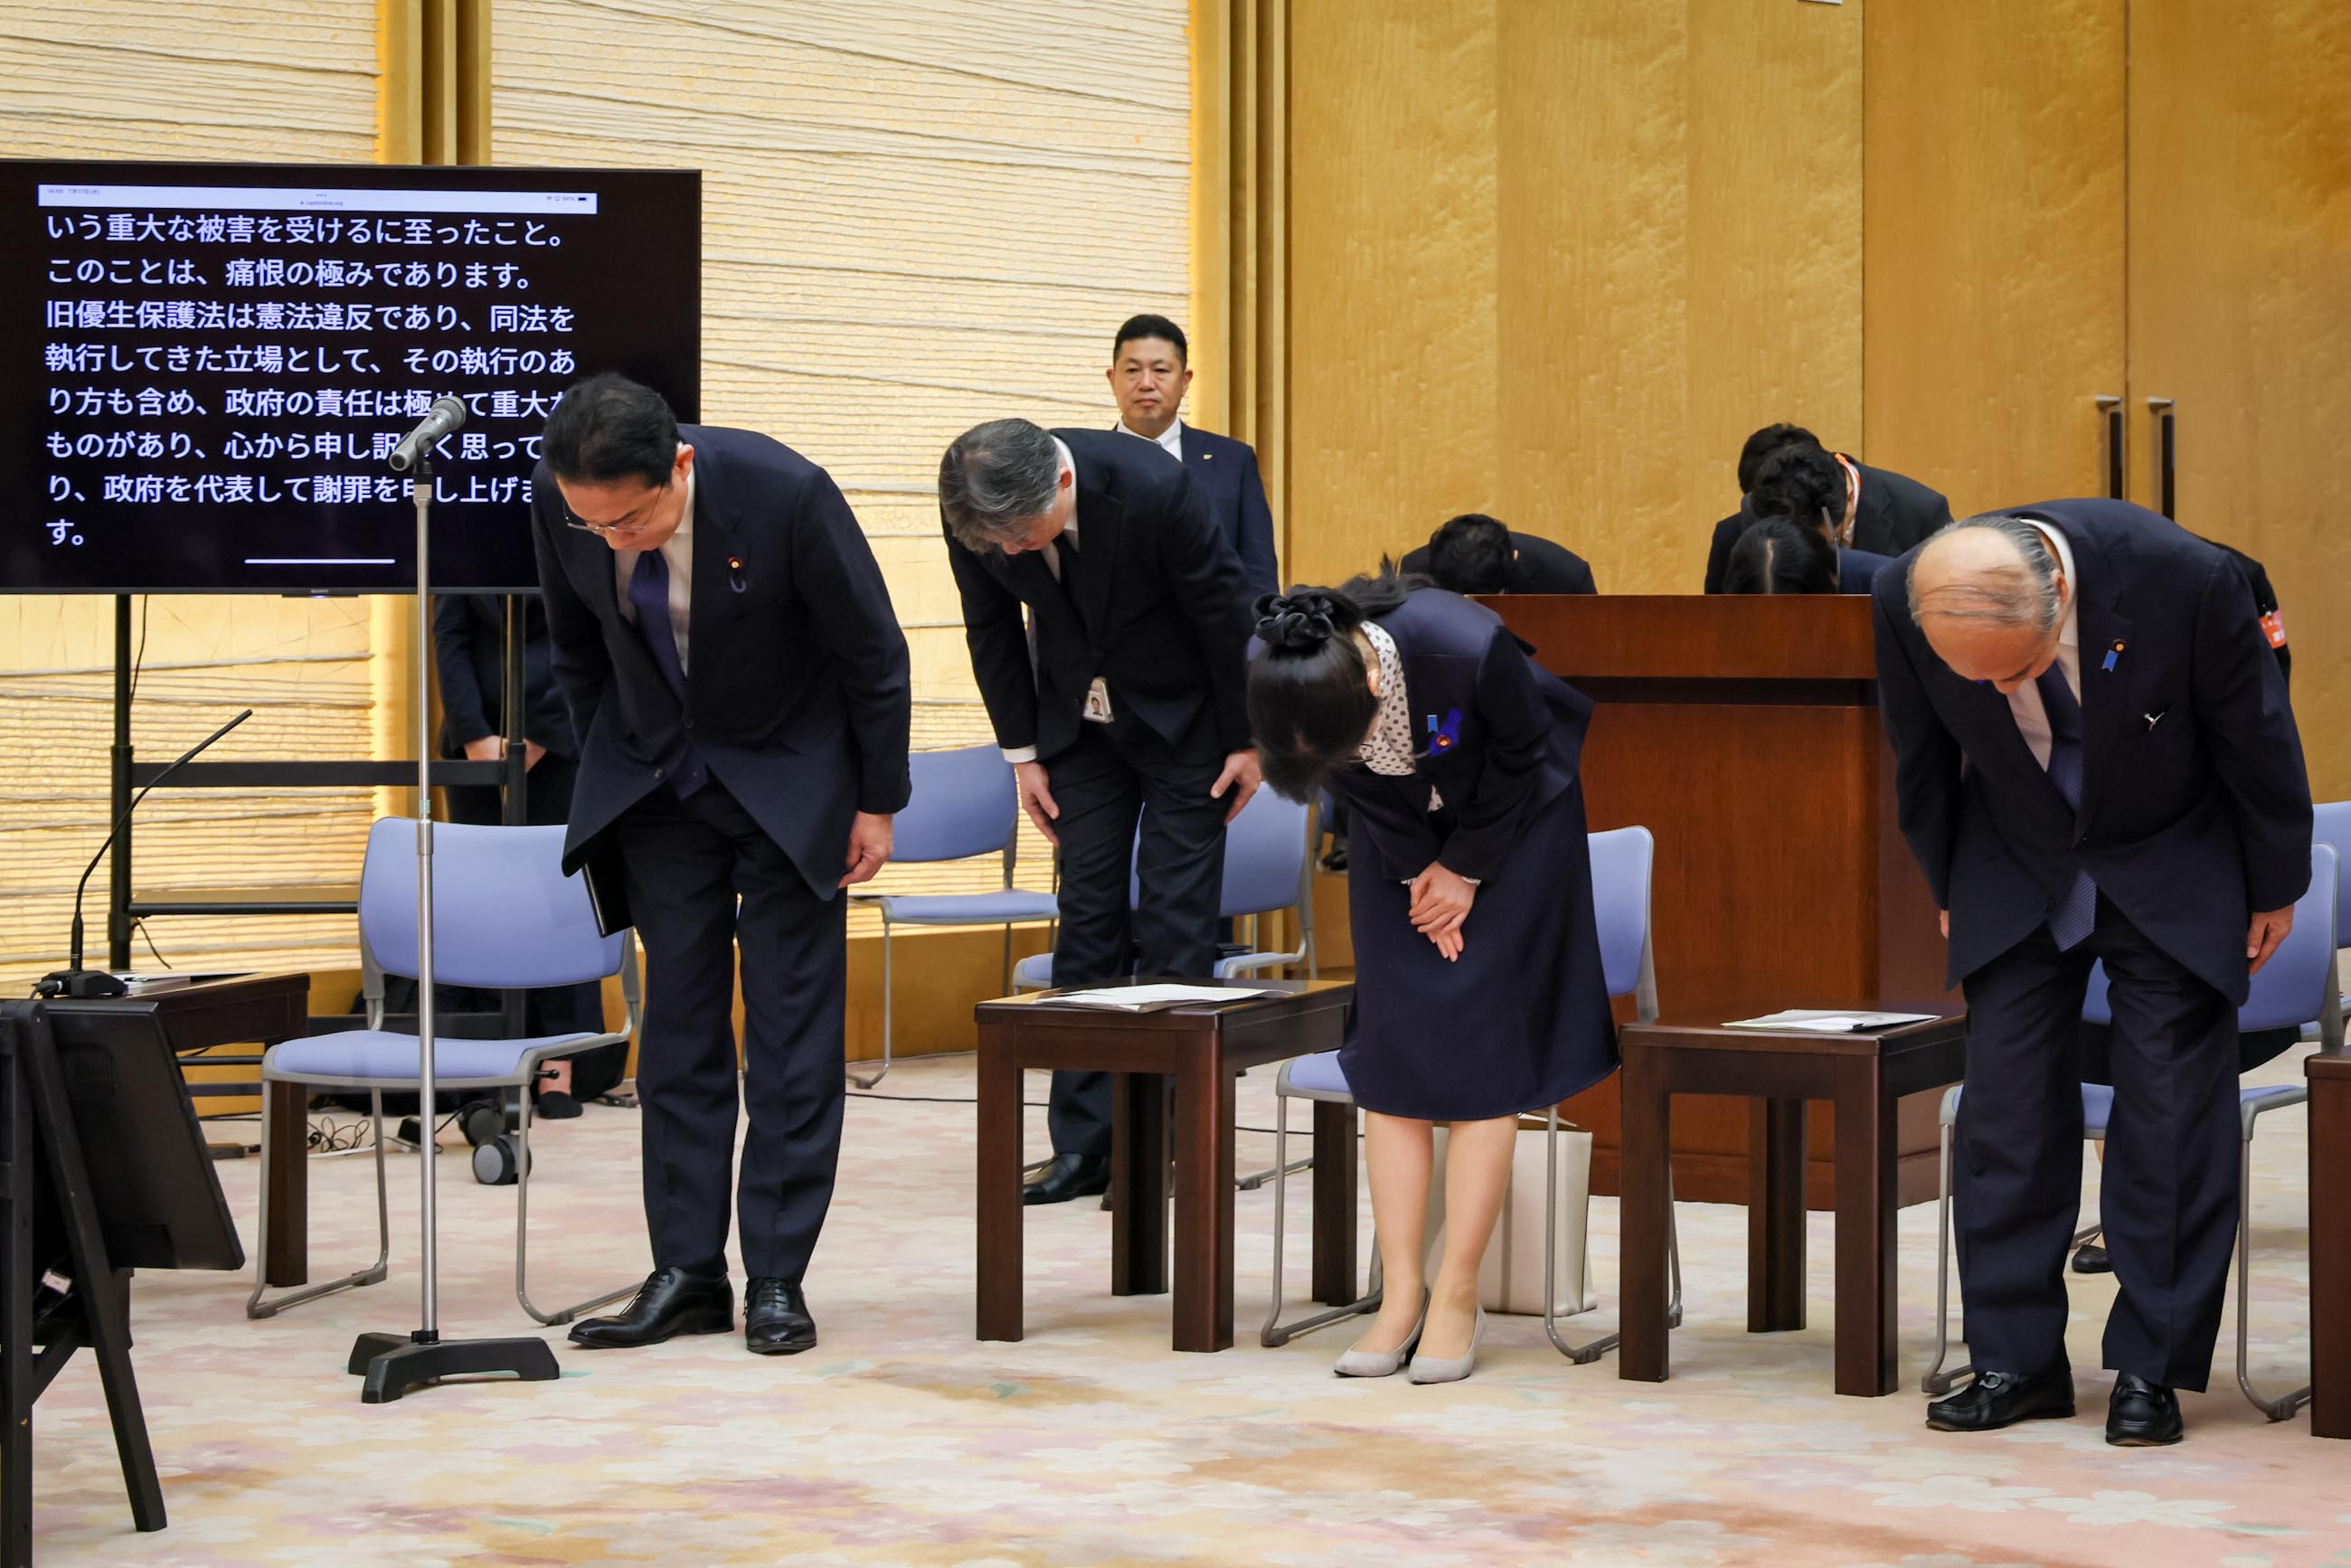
(1743, 732)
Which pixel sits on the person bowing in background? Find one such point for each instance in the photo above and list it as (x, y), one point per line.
(1479, 989)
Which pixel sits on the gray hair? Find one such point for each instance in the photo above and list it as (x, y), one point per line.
(2023, 595)
(996, 477)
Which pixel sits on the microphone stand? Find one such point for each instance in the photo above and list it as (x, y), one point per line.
(395, 1364)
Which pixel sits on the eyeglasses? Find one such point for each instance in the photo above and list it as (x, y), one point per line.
(632, 522)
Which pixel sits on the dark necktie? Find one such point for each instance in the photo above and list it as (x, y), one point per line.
(2077, 911)
(649, 592)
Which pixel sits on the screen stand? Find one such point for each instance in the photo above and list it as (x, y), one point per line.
(393, 1365)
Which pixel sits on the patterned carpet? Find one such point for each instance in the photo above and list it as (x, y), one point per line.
(902, 1440)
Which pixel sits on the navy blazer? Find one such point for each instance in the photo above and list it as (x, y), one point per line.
(1538, 565)
(1857, 569)
(1497, 737)
(1160, 612)
(469, 644)
(2195, 805)
(1224, 471)
(797, 690)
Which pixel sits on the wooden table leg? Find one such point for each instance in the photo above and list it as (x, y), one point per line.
(1775, 1216)
(1334, 1202)
(1646, 1165)
(998, 1192)
(1204, 1199)
(2330, 1257)
(1138, 1184)
(1866, 1206)
(289, 1174)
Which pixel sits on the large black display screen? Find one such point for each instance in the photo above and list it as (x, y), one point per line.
(206, 365)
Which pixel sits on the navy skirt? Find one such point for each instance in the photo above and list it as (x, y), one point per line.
(1520, 1022)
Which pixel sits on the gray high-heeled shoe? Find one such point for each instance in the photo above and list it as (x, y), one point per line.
(1427, 1369)
(1381, 1362)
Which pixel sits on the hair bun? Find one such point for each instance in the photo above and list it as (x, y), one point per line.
(1302, 619)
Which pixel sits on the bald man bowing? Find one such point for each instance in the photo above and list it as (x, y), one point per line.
(2095, 760)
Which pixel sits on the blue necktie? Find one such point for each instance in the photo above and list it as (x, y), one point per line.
(2077, 911)
(649, 592)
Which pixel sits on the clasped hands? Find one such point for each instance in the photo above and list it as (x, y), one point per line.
(1440, 903)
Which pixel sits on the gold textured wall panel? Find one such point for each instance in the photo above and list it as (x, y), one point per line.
(254, 79)
(915, 216)
(1554, 262)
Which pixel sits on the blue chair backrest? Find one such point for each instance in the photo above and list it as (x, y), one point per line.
(1265, 856)
(1621, 862)
(2291, 989)
(963, 804)
(504, 915)
(2330, 826)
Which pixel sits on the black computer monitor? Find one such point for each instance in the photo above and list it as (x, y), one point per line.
(152, 1179)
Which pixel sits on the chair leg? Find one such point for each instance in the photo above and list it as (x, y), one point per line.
(373, 1274)
(1936, 1381)
(1275, 1332)
(1592, 1350)
(883, 1070)
(2282, 1407)
(1257, 1179)
(522, 1234)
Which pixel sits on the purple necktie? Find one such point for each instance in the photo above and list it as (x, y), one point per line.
(649, 592)
(2070, 922)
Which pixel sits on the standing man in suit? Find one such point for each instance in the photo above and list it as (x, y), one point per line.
(1149, 374)
(1131, 706)
(1474, 553)
(740, 688)
(2096, 761)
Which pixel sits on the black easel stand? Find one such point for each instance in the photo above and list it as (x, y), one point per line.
(43, 1163)
(395, 1364)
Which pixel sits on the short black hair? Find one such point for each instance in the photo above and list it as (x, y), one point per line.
(1803, 483)
(1763, 444)
(1779, 556)
(609, 427)
(1471, 554)
(1150, 326)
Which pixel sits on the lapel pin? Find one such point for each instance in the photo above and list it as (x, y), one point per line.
(2113, 654)
(734, 578)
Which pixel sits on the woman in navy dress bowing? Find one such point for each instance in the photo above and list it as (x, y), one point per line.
(1479, 989)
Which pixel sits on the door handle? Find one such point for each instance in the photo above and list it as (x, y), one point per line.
(2112, 407)
(2168, 453)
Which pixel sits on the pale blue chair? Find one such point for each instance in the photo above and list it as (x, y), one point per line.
(1622, 862)
(2299, 985)
(2330, 826)
(504, 917)
(964, 805)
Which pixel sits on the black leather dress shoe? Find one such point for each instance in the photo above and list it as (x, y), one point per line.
(670, 1302)
(1068, 1176)
(775, 1319)
(2142, 1415)
(1997, 1400)
(2090, 1258)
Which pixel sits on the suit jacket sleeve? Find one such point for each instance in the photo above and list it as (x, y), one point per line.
(841, 587)
(1926, 756)
(1258, 564)
(2240, 699)
(998, 640)
(1518, 727)
(1718, 552)
(575, 644)
(463, 717)
(1205, 577)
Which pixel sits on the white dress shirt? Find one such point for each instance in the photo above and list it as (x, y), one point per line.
(1052, 556)
(1172, 438)
(2024, 702)
(678, 550)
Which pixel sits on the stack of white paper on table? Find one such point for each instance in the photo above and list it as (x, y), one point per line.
(1135, 999)
(1819, 1021)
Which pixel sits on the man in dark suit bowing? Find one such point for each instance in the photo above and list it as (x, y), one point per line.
(1474, 553)
(2094, 760)
(740, 684)
(1150, 371)
(1130, 707)
(1793, 475)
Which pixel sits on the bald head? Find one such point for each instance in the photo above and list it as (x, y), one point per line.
(1990, 598)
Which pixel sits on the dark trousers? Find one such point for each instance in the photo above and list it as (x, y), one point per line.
(685, 865)
(2169, 1196)
(1103, 785)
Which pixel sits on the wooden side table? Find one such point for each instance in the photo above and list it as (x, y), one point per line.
(2329, 1075)
(1862, 1075)
(234, 1010)
(1199, 1049)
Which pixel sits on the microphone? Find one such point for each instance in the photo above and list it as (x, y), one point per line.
(448, 413)
(74, 980)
